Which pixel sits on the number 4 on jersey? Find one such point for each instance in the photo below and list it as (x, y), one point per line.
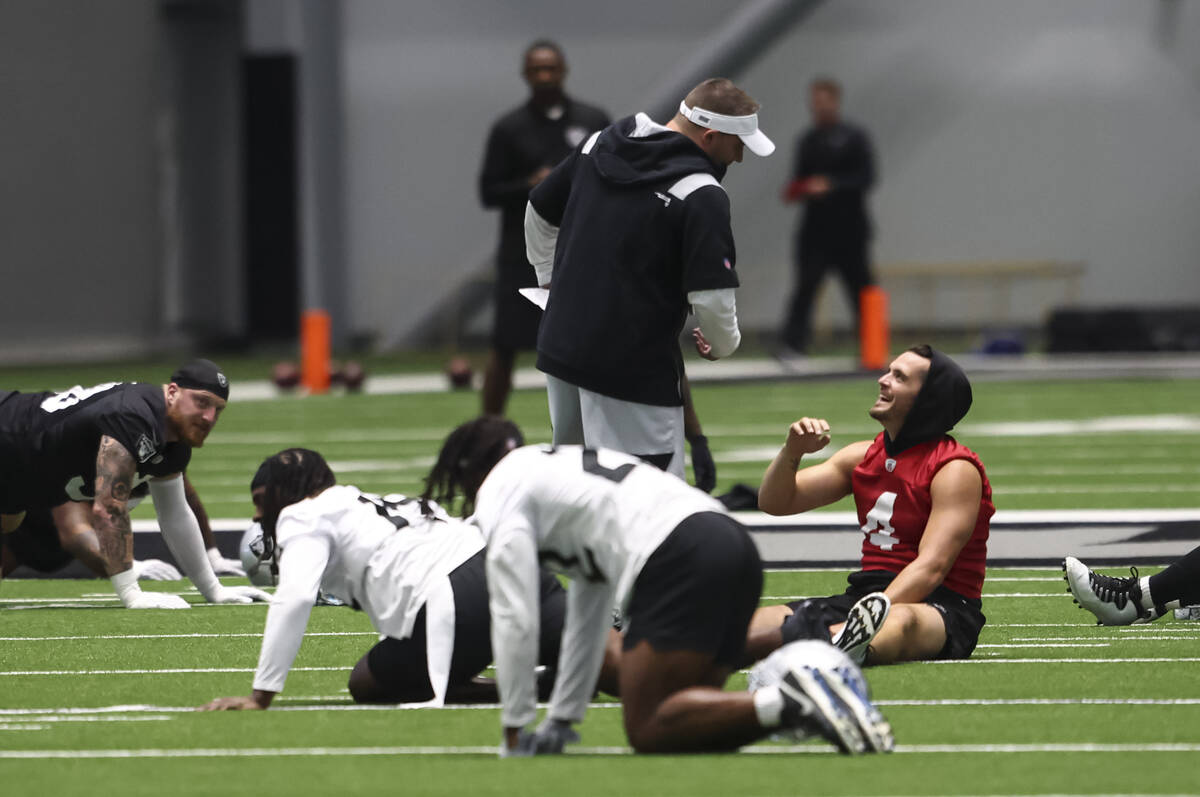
(878, 527)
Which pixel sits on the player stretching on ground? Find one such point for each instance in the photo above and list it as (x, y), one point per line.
(415, 571)
(84, 452)
(924, 503)
(1123, 601)
(685, 576)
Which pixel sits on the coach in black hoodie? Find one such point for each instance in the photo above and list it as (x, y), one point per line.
(628, 232)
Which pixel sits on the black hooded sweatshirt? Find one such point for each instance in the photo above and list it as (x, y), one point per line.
(642, 221)
(942, 401)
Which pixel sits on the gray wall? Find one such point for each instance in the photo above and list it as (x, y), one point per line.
(79, 221)
(1028, 129)
(1022, 130)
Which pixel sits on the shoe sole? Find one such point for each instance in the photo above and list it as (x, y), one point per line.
(863, 622)
(837, 718)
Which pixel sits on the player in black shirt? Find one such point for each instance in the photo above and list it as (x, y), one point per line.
(522, 147)
(834, 169)
(84, 451)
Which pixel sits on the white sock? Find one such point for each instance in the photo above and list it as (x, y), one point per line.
(768, 705)
(1146, 601)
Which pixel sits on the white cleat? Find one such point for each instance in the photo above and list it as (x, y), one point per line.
(1114, 601)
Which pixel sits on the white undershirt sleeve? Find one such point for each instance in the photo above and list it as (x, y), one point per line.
(585, 632)
(541, 239)
(515, 604)
(301, 566)
(716, 310)
(181, 532)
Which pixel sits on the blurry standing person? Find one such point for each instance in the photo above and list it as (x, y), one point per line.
(522, 147)
(834, 169)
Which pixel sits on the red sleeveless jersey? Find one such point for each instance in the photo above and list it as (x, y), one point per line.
(893, 500)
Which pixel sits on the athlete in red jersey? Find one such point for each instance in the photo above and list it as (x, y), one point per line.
(924, 504)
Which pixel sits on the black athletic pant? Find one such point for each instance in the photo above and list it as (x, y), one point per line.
(813, 262)
(1180, 581)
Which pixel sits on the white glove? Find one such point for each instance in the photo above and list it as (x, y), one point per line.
(222, 566)
(155, 570)
(131, 595)
(225, 594)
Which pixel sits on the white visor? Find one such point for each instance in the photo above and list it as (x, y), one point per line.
(744, 127)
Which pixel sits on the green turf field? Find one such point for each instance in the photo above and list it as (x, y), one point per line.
(1048, 705)
(1047, 445)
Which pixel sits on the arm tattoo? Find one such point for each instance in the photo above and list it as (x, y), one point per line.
(115, 471)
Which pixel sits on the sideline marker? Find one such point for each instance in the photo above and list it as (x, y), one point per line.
(874, 332)
(315, 350)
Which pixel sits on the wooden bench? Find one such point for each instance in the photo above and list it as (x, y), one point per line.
(988, 285)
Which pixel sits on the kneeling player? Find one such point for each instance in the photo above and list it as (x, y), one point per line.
(1136, 599)
(684, 574)
(924, 504)
(417, 573)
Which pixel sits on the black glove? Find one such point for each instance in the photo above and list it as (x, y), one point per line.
(703, 467)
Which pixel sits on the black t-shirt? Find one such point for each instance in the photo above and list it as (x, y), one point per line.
(49, 441)
(521, 142)
(843, 153)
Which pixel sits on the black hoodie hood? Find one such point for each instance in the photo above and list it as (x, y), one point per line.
(942, 401)
(627, 160)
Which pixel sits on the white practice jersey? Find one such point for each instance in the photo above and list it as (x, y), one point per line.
(594, 516)
(380, 554)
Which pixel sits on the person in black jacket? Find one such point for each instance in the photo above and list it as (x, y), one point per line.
(834, 169)
(628, 232)
(522, 147)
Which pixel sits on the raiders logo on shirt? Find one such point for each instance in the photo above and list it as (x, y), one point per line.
(145, 448)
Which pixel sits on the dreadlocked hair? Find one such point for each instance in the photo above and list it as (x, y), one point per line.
(468, 455)
(288, 477)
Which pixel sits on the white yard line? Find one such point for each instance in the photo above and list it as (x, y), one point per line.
(173, 636)
(1044, 645)
(165, 671)
(312, 752)
(1131, 660)
(49, 714)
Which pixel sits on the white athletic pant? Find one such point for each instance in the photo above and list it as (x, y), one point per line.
(582, 417)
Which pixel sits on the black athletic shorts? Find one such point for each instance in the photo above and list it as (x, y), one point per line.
(698, 590)
(400, 667)
(35, 543)
(963, 617)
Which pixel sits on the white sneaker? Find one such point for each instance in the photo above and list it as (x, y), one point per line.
(825, 694)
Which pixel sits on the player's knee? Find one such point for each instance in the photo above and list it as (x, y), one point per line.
(362, 685)
(903, 622)
(644, 738)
